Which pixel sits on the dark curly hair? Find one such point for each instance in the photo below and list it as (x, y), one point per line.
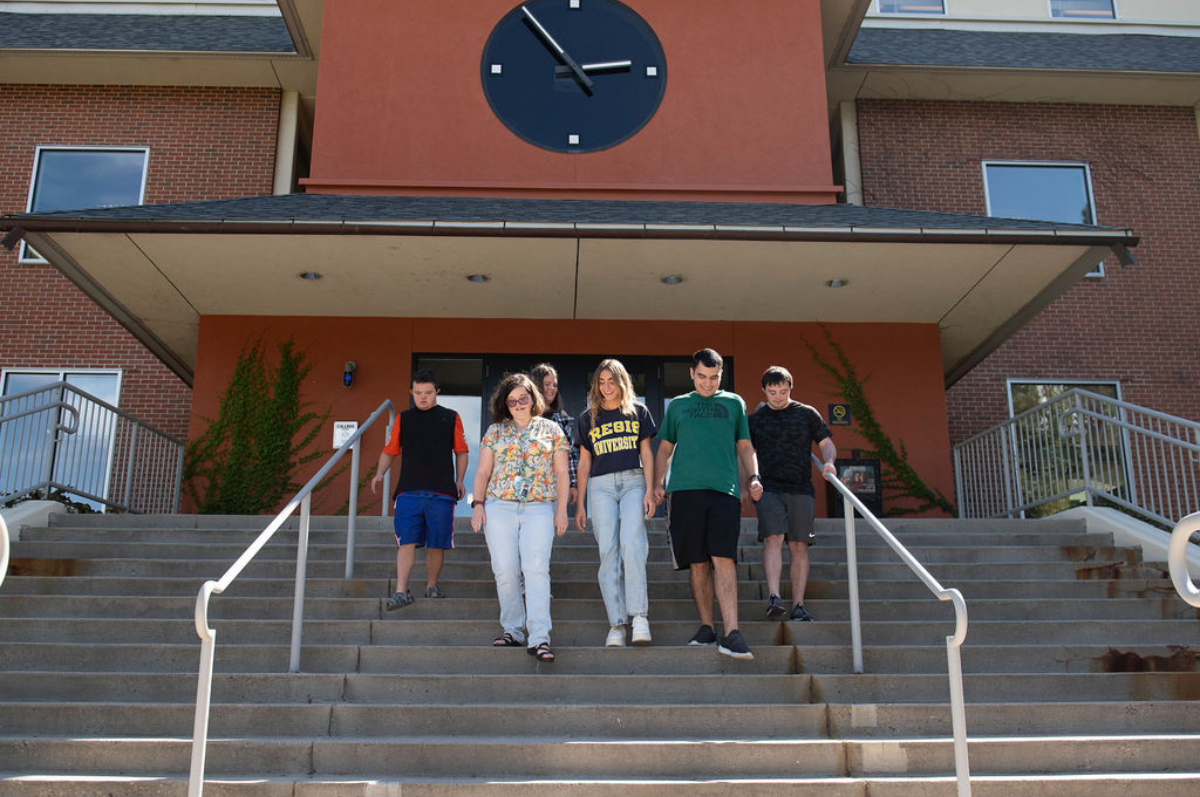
(510, 382)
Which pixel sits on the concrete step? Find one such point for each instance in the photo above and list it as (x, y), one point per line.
(674, 589)
(581, 551)
(832, 537)
(832, 659)
(397, 629)
(68, 606)
(1180, 784)
(583, 721)
(500, 758)
(204, 569)
(1083, 785)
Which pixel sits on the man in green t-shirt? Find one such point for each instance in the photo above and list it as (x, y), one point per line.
(708, 431)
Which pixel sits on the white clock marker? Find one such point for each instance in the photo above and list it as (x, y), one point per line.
(573, 140)
(651, 71)
(497, 69)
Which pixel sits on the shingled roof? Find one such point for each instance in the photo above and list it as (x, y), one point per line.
(145, 32)
(347, 210)
(1026, 50)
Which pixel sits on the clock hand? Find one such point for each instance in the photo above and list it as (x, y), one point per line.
(606, 66)
(580, 75)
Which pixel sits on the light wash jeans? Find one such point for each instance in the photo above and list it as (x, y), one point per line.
(519, 538)
(618, 521)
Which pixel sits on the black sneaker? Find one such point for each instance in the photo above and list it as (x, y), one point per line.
(775, 608)
(399, 600)
(733, 645)
(434, 592)
(798, 613)
(705, 635)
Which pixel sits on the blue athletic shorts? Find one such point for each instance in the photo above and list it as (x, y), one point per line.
(424, 518)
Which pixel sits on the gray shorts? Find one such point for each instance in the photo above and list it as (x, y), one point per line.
(786, 513)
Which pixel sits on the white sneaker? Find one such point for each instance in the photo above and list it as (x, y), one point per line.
(641, 631)
(616, 637)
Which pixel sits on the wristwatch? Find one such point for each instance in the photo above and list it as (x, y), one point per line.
(476, 503)
(754, 477)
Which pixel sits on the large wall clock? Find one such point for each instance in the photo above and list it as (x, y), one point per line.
(573, 75)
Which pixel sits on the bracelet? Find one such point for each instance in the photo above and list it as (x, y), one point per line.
(754, 478)
(476, 503)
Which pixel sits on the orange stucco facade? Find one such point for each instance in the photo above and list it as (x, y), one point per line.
(403, 110)
(903, 362)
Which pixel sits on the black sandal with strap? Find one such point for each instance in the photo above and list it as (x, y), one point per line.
(505, 640)
(541, 652)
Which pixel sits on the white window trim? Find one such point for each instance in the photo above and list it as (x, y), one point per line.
(1010, 381)
(1098, 271)
(1116, 14)
(37, 165)
(892, 14)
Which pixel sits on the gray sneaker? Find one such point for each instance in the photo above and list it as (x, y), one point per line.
(799, 614)
(399, 600)
(434, 592)
(733, 645)
(775, 608)
(705, 635)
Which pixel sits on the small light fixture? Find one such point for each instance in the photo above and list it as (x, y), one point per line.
(310, 275)
(478, 278)
(348, 373)
(672, 279)
(838, 283)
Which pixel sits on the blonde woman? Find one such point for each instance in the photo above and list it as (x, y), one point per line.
(523, 474)
(616, 480)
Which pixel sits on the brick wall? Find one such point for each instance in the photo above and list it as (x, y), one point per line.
(1136, 325)
(205, 143)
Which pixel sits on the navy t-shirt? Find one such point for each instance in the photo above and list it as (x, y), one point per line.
(613, 443)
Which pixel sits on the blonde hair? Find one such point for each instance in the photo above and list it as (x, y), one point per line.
(624, 384)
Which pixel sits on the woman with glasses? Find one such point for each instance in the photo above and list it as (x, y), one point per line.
(616, 483)
(523, 474)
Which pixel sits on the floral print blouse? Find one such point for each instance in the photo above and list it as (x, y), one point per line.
(523, 468)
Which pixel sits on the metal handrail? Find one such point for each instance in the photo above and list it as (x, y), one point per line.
(208, 636)
(958, 713)
(1081, 443)
(161, 458)
(1177, 558)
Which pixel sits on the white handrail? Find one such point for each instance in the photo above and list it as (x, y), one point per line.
(208, 636)
(1177, 558)
(4, 545)
(958, 713)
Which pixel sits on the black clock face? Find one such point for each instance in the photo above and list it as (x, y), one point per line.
(573, 75)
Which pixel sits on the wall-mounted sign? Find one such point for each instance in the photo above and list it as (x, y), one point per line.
(839, 415)
(343, 431)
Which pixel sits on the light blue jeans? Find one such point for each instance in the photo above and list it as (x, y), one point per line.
(519, 538)
(618, 521)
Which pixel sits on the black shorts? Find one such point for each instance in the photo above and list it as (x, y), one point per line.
(702, 524)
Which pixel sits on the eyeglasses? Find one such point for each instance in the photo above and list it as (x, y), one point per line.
(519, 402)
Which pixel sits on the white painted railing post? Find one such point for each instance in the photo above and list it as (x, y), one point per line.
(208, 641)
(301, 571)
(852, 580)
(353, 513)
(4, 549)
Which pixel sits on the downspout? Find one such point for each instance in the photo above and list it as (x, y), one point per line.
(285, 142)
(851, 162)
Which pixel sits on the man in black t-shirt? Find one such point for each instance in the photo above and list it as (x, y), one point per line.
(783, 432)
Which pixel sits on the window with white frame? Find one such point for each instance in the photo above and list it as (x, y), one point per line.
(912, 7)
(1083, 9)
(1040, 191)
(72, 178)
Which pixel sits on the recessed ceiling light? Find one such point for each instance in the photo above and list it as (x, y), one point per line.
(310, 275)
(672, 279)
(838, 283)
(478, 278)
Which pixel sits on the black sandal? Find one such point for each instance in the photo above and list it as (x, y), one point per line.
(505, 640)
(541, 652)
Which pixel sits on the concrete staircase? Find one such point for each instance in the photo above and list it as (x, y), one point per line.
(1081, 672)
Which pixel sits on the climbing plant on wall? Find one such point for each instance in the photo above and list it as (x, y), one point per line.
(246, 461)
(900, 479)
